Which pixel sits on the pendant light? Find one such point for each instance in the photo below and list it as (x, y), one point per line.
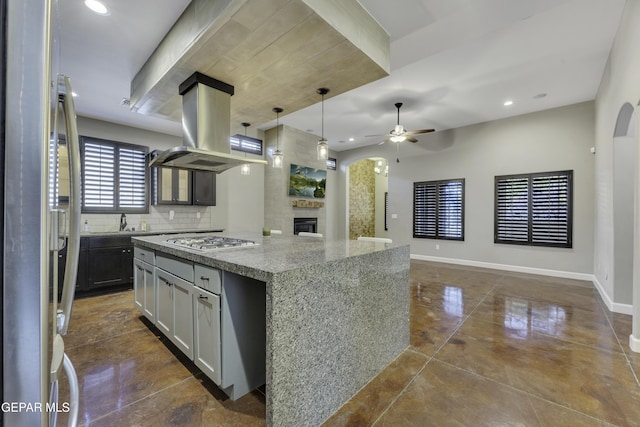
(323, 147)
(278, 157)
(245, 169)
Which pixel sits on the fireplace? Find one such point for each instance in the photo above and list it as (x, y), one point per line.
(309, 225)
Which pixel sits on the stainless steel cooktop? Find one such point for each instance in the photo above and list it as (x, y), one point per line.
(210, 243)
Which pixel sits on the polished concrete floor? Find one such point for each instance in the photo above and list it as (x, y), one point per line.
(488, 348)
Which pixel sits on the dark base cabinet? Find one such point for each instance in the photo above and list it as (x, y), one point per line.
(110, 262)
(81, 278)
(105, 264)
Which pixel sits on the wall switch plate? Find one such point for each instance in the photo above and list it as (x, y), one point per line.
(171, 214)
(394, 216)
(437, 247)
(198, 215)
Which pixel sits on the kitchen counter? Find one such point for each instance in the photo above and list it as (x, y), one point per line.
(144, 233)
(337, 313)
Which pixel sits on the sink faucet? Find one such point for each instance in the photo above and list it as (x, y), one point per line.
(123, 222)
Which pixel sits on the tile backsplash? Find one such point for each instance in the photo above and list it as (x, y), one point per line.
(158, 219)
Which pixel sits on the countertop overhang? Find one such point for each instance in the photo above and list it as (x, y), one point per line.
(272, 255)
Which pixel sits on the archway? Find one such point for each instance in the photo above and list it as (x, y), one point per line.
(626, 189)
(367, 186)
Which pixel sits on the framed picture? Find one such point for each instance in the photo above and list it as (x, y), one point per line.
(307, 182)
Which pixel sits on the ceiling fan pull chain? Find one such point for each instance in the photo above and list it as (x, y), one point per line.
(397, 153)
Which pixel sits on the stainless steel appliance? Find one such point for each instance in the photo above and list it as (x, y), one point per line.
(210, 243)
(32, 326)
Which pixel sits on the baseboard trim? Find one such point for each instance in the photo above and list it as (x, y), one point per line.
(506, 267)
(634, 343)
(612, 306)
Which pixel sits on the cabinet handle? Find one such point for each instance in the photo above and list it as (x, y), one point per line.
(203, 297)
(203, 278)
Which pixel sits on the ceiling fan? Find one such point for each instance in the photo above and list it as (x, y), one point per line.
(399, 133)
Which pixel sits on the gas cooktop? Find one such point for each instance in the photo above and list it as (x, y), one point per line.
(210, 243)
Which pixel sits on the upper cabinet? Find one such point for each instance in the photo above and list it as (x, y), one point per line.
(171, 186)
(183, 187)
(204, 188)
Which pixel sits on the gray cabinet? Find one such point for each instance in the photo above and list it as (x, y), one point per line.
(204, 188)
(182, 335)
(164, 302)
(214, 317)
(144, 283)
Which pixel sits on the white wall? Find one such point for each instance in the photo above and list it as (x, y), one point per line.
(551, 140)
(620, 84)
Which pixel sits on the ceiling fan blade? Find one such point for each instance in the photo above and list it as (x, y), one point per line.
(371, 136)
(415, 132)
(380, 143)
(412, 139)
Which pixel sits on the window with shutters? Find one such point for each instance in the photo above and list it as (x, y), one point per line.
(534, 209)
(386, 211)
(438, 209)
(114, 177)
(246, 144)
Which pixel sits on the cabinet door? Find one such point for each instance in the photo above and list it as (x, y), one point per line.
(172, 186)
(138, 285)
(204, 188)
(149, 292)
(105, 267)
(164, 302)
(206, 345)
(183, 316)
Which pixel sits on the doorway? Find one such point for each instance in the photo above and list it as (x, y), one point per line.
(367, 190)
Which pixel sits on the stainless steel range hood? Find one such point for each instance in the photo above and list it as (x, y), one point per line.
(206, 125)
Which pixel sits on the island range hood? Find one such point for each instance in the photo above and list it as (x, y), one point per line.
(206, 125)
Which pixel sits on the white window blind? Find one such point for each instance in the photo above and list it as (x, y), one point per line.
(114, 176)
(534, 209)
(438, 209)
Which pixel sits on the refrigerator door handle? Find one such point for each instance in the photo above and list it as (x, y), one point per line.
(73, 240)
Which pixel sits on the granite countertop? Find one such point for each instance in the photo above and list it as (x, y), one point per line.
(145, 233)
(273, 255)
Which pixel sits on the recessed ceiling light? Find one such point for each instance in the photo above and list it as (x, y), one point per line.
(97, 7)
(508, 103)
(351, 139)
(74, 94)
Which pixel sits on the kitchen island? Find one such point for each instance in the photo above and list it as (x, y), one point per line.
(336, 314)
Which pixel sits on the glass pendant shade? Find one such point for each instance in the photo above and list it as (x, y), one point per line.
(246, 168)
(278, 159)
(323, 149)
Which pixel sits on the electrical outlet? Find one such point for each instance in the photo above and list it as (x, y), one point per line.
(394, 216)
(171, 214)
(437, 247)
(198, 215)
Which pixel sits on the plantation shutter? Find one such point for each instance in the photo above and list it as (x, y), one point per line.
(534, 209)
(132, 178)
(114, 176)
(439, 210)
(512, 209)
(99, 175)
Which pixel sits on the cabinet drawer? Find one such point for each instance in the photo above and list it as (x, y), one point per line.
(145, 255)
(180, 268)
(208, 278)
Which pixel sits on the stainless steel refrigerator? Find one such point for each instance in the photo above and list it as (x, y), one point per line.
(33, 323)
